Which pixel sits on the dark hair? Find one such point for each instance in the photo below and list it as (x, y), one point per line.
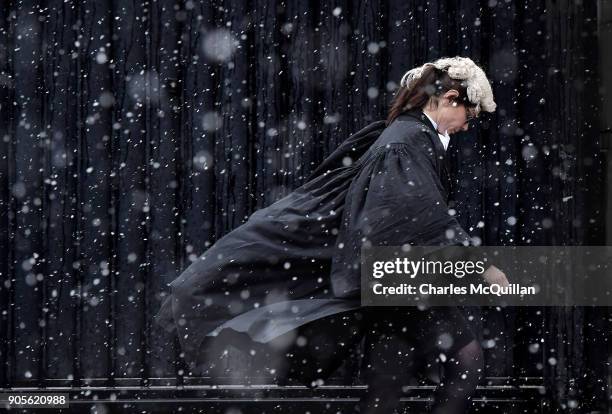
(433, 82)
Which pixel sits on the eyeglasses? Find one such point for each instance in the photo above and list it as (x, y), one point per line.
(470, 114)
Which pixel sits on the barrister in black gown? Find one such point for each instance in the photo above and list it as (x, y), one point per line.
(286, 283)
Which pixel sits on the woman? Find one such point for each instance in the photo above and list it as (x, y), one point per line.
(285, 285)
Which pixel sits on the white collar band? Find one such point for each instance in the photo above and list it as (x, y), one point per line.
(445, 138)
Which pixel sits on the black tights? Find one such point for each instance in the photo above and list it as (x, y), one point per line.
(385, 376)
(462, 373)
(397, 340)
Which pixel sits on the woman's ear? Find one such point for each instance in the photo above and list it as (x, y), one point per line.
(451, 94)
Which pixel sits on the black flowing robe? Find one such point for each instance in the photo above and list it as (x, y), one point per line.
(297, 260)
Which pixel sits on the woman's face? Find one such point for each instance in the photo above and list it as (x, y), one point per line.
(453, 116)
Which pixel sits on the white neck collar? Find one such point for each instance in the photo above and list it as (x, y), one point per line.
(445, 138)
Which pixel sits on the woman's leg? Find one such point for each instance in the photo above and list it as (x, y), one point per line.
(319, 348)
(388, 360)
(419, 333)
(462, 373)
(387, 366)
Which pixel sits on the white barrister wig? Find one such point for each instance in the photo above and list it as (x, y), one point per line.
(463, 69)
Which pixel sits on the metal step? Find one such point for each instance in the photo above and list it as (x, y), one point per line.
(193, 395)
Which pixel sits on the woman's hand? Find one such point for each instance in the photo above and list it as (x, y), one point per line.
(494, 276)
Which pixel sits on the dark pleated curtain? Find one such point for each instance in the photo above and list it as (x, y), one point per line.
(136, 133)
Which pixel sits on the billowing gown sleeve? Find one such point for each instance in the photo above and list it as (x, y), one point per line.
(396, 198)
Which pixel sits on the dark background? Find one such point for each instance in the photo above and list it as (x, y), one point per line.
(136, 133)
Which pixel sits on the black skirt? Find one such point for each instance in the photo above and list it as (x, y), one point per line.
(310, 354)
